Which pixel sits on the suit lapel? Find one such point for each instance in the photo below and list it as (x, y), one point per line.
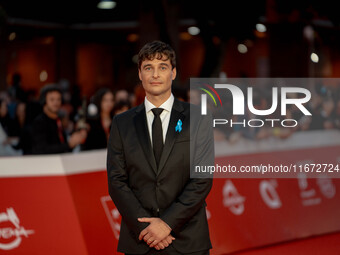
(143, 135)
(171, 135)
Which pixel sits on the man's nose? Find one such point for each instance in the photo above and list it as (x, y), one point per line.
(155, 74)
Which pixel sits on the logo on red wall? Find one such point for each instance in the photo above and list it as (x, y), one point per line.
(232, 199)
(269, 194)
(112, 214)
(11, 232)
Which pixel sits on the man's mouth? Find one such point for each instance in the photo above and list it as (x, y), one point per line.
(155, 83)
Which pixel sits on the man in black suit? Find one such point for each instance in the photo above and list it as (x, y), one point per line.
(149, 161)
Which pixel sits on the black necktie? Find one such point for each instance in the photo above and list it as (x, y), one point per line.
(157, 134)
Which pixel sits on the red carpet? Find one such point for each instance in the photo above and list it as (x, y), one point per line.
(326, 244)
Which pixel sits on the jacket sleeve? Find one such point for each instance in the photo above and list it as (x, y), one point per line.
(119, 190)
(196, 190)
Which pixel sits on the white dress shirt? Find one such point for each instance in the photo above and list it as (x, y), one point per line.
(165, 115)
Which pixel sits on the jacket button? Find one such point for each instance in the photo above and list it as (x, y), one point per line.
(157, 210)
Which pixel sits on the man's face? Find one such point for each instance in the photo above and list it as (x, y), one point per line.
(157, 76)
(53, 102)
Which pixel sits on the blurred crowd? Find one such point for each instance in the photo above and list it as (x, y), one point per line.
(58, 119)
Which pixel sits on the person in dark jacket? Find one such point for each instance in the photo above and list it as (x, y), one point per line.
(100, 123)
(48, 136)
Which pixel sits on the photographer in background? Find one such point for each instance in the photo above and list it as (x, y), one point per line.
(48, 136)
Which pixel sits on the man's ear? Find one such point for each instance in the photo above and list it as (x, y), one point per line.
(174, 73)
(139, 74)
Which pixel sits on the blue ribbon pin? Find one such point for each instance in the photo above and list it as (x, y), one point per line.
(178, 127)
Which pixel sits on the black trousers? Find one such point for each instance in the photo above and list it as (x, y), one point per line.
(171, 251)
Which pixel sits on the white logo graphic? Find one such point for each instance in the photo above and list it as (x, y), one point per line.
(239, 101)
(269, 194)
(112, 214)
(308, 195)
(11, 236)
(326, 186)
(232, 199)
(239, 104)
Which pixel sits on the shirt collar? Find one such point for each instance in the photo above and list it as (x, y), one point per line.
(167, 105)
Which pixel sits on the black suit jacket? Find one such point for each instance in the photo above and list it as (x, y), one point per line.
(139, 189)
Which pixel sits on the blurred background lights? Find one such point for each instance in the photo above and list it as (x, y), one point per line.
(193, 30)
(308, 32)
(314, 57)
(261, 28)
(12, 36)
(106, 4)
(135, 59)
(132, 37)
(242, 48)
(43, 76)
(92, 109)
(185, 36)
